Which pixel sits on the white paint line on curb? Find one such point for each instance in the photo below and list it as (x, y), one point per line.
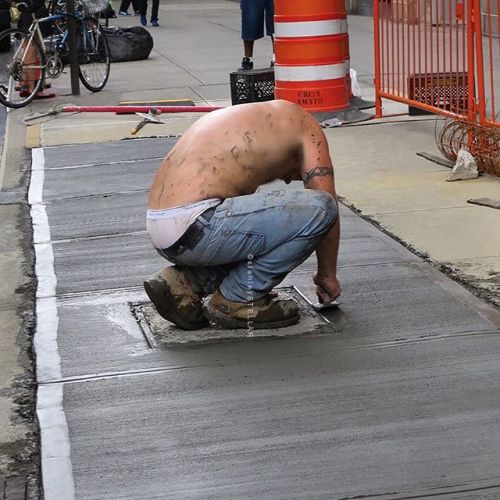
(57, 470)
(3, 159)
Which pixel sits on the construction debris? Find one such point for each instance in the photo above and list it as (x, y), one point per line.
(485, 202)
(465, 167)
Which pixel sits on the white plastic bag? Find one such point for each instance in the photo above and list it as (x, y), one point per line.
(355, 88)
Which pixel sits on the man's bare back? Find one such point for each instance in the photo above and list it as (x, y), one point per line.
(231, 152)
(227, 155)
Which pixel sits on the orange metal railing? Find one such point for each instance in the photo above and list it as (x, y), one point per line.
(441, 56)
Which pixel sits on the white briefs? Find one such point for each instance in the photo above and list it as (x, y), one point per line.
(166, 226)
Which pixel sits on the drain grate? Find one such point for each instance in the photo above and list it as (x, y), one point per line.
(163, 333)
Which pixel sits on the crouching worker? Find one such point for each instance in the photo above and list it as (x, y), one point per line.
(205, 216)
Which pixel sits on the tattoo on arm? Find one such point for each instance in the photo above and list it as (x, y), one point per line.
(317, 172)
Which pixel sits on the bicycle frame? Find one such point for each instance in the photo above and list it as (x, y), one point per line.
(35, 27)
(35, 57)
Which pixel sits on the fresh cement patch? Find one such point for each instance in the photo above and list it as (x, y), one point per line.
(160, 332)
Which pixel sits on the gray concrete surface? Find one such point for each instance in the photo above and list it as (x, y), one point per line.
(434, 339)
(381, 396)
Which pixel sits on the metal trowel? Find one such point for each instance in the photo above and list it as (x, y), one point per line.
(327, 305)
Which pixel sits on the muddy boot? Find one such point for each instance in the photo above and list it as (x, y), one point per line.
(175, 300)
(265, 312)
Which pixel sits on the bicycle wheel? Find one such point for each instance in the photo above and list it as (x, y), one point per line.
(22, 68)
(93, 55)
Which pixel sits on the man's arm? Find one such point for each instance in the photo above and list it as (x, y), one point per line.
(317, 173)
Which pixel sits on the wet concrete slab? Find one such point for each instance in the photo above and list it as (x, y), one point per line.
(338, 424)
(124, 260)
(121, 213)
(391, 396)
(114, 151)
(395, 304)
(95, 180)
(97, 215)
(100, 243)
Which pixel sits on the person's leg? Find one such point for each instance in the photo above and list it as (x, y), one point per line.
(136, 5)
(177, 291)
(277, 231)
(247, 247)
(269, 17)
(248, 48)
(175, 299)
(143, 10)
(266, 235)
(124, 5)
(252, 28)
(154, 11)
(269, 13)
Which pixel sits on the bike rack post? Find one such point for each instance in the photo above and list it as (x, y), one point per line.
(73, 54)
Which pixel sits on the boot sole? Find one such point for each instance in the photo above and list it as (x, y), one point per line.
(159, 293)
(221, 320)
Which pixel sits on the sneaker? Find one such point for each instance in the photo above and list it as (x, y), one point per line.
(246, 64)
(154, 22)
(175, 300)
(144, 21)
(266, 312)
(123, 13)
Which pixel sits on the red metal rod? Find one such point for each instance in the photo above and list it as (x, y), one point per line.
(140, 109)
(376, 45)
(490, 51)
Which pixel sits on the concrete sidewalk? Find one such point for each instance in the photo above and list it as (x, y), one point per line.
(317, 400)
(406, 194)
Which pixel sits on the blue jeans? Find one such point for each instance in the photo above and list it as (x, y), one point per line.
(143, 8)
(252, 242)
(253, 15)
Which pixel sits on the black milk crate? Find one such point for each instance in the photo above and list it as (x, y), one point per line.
(447, 91)
(255, 85)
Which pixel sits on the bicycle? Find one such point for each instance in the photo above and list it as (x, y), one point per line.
(26, 58)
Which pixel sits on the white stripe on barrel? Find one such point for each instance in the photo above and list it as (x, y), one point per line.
(309, 73)
(311, 28)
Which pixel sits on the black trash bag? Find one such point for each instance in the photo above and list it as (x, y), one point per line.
(128, 44)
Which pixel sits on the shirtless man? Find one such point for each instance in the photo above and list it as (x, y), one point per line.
(205, 216)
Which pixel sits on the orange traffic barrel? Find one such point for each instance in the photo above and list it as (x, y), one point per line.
(311, 46)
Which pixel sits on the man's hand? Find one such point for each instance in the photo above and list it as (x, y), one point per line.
(327, 288)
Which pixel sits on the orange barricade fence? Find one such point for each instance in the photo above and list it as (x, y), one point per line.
(441, 56)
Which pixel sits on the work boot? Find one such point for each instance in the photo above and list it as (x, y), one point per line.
(265, 312)
(175, 300)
